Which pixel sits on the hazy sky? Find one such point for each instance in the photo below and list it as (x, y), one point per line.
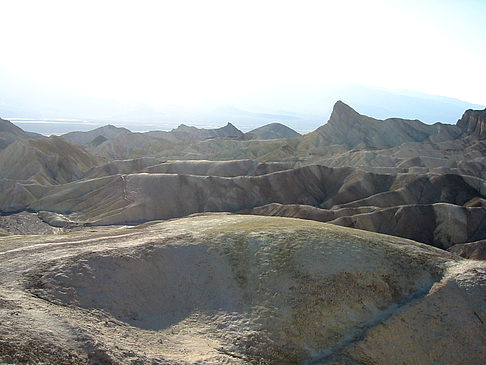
(189, 52)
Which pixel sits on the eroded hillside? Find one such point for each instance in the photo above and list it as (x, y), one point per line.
(237, 289)
(102, 260)
(399, 177)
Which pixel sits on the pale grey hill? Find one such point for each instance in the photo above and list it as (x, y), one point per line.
(186, 133)
(274, 131)
(47, 161)
(9, 133)
(129, 146)
(160, 143)
(84, 138)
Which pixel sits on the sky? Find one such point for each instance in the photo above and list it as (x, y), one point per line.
(197, 52)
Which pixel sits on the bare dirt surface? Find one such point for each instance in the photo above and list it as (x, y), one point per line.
(231, 289)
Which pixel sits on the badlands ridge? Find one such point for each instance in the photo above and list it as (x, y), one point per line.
(113, 250)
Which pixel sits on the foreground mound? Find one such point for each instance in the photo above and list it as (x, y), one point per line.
(224, 288)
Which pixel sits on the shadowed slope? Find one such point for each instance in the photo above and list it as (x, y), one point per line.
(437, 224)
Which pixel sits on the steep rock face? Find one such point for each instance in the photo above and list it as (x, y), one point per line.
(240, 290)
(274, 131)
(473, 122)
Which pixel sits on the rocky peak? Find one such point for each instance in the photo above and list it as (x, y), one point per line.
(111, 127)
(230, 128)
(184, 128)
(473, 122)
(342, 112)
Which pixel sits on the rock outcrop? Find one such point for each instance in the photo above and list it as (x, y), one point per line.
(473, 123)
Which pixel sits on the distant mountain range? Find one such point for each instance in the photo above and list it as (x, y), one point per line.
(303, 109)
